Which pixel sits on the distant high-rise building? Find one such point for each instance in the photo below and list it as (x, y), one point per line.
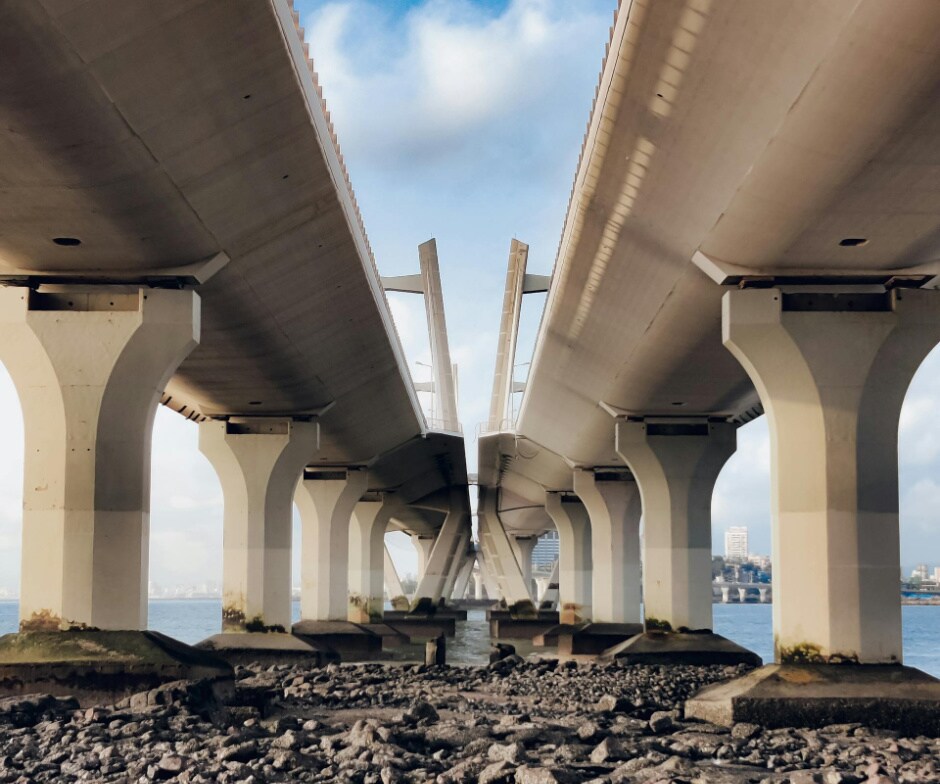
(920, 572)
(545, 552)
(736, 543)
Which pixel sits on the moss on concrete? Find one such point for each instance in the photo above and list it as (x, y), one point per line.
(658, 625)
(523, 609)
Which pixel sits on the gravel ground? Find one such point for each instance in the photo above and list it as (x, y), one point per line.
(514, 721)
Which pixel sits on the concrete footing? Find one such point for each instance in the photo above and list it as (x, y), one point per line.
(591, 639)
(681, 648)
(101, 667)
(549, 637)
(267, 648)
(789, 695)
(504, 625)
(391, 637)
(422, 627)
(350, 640)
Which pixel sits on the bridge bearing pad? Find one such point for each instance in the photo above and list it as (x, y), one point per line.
(267, 648)
(592, 639)
(694, 648)
(101, 667)
(890, 697)
(350, 641)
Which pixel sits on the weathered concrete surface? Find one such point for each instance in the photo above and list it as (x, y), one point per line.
(390, 635)
(259, 462)
(504, 625)
(681, 648)
(442, 621)
(549, 638)
(594, 638)
(268, 648)
(425, 628)
(350, 640)
(784, 695)
(96, 666)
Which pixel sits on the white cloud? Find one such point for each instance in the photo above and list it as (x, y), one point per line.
(417, 90)
(463, 123)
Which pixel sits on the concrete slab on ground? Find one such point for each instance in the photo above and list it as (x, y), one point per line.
(350, 641)
(549, 638)
(267, 648)
(454, 613)
(421, 627)
(696, 648)
(391, 637)
(503, 625)
(592, 639)
(815, 695)
(99, 667)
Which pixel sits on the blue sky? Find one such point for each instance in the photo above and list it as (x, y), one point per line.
(463, 121)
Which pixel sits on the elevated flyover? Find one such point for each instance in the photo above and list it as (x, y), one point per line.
(752, 227)
(177, 224)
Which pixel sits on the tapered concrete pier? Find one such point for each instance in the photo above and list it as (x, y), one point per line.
(326, 500)
(259, 462)
(612, 501)
(574, 557)
(89, 364)
(832, 369)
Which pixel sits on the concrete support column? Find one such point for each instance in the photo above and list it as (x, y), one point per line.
(478, 584)
(259, 463)
(613, 506)
(548, 589)
(423, 546)
(574, 557)
(463, 576)
(675, 465)
(431, 587)
(90, 364)
(366, 600)
(522, 547)
(487, 575)
(725, 594)
(456, 563)
(832, 371)
(326, 500)
(392, 582)
(499, 558)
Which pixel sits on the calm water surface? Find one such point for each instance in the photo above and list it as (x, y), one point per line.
(192, 620)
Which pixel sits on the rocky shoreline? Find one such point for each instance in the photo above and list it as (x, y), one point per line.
(513, 721)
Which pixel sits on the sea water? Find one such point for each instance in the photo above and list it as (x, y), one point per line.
(750, 625)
